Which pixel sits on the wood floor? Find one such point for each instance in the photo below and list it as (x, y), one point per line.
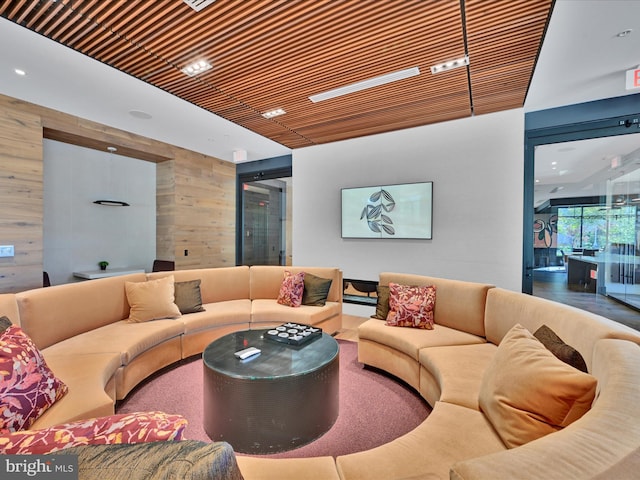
(553, 286)
(549, 285)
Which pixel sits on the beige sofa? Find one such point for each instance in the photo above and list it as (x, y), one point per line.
(82, 331)
(446, 366)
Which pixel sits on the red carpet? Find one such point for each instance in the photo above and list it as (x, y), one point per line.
(374, 408)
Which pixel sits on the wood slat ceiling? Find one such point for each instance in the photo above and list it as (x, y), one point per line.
(269, 54)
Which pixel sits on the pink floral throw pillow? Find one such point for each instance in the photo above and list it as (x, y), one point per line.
(123, 428)
(27, 386)
(411, 306)
(291, 289)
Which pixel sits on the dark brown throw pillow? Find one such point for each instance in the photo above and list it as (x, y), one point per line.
(561, 350)
(316, 290)
(382, 304)
(188, 297)
(4, 323)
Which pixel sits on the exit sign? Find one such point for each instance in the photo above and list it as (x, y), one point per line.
(633, 79)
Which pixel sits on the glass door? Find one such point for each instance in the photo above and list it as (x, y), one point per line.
(266, 222)
(623, 235)
(586, 222)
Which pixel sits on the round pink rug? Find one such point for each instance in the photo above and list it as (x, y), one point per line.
(375, 408)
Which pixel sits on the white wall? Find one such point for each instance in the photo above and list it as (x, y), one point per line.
(77, 233)
(476, 165)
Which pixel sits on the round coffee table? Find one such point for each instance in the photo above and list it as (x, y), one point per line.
(283, 398)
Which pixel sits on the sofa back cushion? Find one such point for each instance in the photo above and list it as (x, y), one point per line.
(266, 280)
(527, 392)
(459, 304)
(216, 284)
(50, 315)
(9, 307)
(578, 328)
(602, 440)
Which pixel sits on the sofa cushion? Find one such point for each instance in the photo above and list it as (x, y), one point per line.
(291, 289)
(91, 387)
(382, 302)
(316, 290)
(151, 300)
(454, 373)
(27, 386)
(127, 339)
(188, 297)
(217, 284)
(591, 447)
(564, 352)
(270, 312)
(410, 340)
(578, 327)
(50, 315)
(310, 468)
(460, 304)
(449, 434)
(411, 306)
(265, 280)
(4, 323)
(218, 314)
(185, 460)
(526, 392)
(113, 429)
(9, 308)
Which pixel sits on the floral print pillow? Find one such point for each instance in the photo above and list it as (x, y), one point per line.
(411, 306)
(291, 289)
(137, 427)
(27, 386)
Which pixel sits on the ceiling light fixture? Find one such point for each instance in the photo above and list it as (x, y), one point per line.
(19, 71)
(365, 84)
(111, 203)
(274, 113)
(196, 68)
(624, 33)
(443, 67)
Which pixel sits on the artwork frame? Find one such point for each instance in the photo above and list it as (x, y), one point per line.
(393, 211)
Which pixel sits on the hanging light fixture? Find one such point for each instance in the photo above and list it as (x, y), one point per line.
(111, 203)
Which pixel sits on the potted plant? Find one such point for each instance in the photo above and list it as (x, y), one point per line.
(103, 264)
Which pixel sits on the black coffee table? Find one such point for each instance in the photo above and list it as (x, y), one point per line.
(283, 398)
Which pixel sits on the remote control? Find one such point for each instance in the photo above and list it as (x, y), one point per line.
(247, 352)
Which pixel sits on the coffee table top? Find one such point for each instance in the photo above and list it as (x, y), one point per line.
(275, 360)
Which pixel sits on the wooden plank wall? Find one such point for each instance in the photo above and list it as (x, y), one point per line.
(21, 191)
(195, 193)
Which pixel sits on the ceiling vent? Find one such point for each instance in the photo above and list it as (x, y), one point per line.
(198, 5)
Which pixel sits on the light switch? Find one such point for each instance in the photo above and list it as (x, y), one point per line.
(6, 251)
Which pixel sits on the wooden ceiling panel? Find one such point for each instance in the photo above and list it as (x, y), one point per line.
(270, 54)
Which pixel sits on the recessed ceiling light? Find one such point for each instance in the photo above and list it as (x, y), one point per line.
(196, 68)
(450, 65)
(19, 71)
(624, 33)
(274, 113)
(140, 114)
(365, 84)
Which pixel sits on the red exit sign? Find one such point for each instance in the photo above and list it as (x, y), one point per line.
(633, 79)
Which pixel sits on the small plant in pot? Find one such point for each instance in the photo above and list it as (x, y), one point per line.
(103, 264)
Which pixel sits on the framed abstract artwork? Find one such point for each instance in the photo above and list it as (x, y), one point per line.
(388, 211)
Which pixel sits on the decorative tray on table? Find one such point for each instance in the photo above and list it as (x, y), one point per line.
(293, 333)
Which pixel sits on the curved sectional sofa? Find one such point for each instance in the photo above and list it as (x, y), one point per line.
(446, 365)
(82, 331)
